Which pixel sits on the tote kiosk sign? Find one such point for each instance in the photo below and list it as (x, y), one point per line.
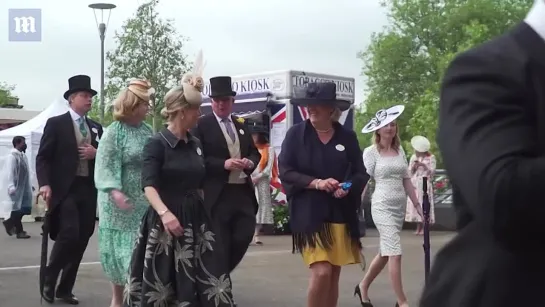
(267, 82)
(345, 86)
(282, 83)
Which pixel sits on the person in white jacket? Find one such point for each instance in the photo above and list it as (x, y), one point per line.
(17, 193)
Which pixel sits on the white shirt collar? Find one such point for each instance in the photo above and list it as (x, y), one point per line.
(220, 120)
(75, 116)
(536, 18)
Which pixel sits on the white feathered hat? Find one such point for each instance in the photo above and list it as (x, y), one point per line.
(382, 118)
(193, 83)
(420, 143)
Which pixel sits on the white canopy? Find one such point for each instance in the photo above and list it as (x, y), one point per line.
(37, 123)
(32, 130)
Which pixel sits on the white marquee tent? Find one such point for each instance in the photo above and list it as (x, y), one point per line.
(32, 130)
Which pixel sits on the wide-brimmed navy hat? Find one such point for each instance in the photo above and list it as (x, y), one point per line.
(319, 93)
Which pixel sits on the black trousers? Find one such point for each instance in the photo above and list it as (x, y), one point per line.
(15, 221)
(76, 217)
(234, 217)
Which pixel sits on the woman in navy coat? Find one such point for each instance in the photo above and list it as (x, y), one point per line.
(319, 161)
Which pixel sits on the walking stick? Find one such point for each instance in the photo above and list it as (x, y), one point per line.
(44, 250)
(426, 222)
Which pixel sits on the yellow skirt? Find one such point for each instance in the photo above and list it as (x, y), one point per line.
(342, 252)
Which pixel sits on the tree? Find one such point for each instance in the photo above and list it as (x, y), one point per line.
(405, 62)
(147, 47)
(94, 113)
(7, 99)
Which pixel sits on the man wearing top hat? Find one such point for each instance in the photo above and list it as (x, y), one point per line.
(65, 170)
(230, 157)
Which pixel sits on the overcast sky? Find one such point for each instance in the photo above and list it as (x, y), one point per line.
(237, 37)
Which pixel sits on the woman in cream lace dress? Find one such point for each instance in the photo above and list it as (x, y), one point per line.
(386, 163)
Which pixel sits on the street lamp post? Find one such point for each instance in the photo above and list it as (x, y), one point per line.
(102, 31)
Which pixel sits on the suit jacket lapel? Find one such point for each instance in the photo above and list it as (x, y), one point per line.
(93, 134)
(531, 42)
(71, 134)
(215, 127)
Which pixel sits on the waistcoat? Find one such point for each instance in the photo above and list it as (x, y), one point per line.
(234, 152)
(83, 165)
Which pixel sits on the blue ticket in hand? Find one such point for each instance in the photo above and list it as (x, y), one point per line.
(346, 186)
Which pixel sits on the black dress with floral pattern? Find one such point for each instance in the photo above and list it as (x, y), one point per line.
(184, 271)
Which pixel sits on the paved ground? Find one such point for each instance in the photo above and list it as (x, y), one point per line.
(269, 276)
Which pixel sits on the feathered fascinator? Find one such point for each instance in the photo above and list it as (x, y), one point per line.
(193, 82)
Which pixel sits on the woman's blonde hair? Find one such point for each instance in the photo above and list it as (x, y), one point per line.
(396, 142)
(183, 96)
(137, 93)
(336, 115)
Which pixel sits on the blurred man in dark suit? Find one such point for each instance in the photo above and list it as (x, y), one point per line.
(492, 138)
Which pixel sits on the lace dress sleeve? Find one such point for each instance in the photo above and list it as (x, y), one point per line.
(404, 157)
(370, 159)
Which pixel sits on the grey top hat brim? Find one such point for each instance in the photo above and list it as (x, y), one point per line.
(343, 105)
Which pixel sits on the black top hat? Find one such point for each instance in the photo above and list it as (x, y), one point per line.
(221, 87)
(319, 93)
(79, 83)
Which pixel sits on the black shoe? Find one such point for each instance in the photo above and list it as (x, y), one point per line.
(23, 235)
(357, 292)
(48, 294)
(10, 229)
(70, 299)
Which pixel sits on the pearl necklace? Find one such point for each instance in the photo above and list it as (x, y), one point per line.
(323, 131)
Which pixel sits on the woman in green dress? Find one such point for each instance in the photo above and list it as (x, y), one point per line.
(121, 201)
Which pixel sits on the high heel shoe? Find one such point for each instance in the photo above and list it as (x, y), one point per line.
(357, 292)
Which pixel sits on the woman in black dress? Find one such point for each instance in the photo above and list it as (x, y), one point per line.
(176, 260)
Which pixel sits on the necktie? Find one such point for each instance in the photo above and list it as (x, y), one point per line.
(82, 129)
(229, 128)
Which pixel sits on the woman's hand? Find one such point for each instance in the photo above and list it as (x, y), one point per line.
(172, 225)
(418, 208)
(421, 164)
(340, 193)
(329, 185)
(120, 200)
